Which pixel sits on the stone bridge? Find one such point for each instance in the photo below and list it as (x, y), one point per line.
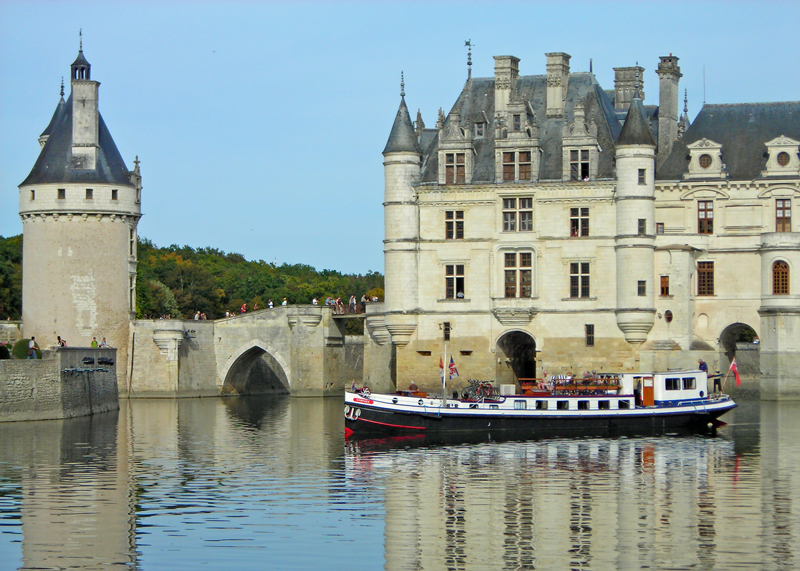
(298, 349)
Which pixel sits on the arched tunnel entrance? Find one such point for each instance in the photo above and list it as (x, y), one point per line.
(739, 340)
(256, 372)
(516, 356)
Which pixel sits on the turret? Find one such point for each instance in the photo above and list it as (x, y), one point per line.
(402, 156)
(85, 114)
(635, 237)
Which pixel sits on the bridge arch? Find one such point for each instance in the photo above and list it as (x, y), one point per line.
(255, 368)
(736, 340)
(516, 355)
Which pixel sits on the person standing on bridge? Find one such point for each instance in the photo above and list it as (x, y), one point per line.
(353, 304)
(314, 301)
(270, 304)
(244, 308)
(284, 301)
(364, 303)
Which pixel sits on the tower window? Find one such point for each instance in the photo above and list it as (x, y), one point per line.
(780, 278)
(641, 288)
(579, 279)
(454, 225)
(89, 194)
(446, 330)
(642, 226)
(642, 176)
(62, 193)
(664, 285)
(114, 194)
(579, 164)
(589, 334)
(659, 227)
(705, 278)
(579, 222)
(783, 215)
(455, 168)
(705, 217)
(518, 274)
(33, 195)
(454, 281)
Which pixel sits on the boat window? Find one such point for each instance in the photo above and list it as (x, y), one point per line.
(673, 384)
(494, 406)
(624, 404)
(541, 405)
(520, 405)
(583, 405)
(688, 383)
(562, 405)
(604, 405)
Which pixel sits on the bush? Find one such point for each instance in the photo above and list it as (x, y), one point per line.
(4, 352)
(20, 350)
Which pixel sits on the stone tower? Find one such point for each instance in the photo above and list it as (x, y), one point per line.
(80, 206)
(401, 244)
(635, 235)
(669, 74)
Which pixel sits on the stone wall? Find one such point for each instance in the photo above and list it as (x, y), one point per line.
(10, 332)
(60, 385)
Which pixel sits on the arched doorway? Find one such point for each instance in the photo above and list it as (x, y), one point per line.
(739, 340)
(516, 356)
(256, 372)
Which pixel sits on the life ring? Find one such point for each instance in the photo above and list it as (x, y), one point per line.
(419, 402)
(357, 413)
(346, 409)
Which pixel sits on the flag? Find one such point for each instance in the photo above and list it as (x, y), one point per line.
(441, 368)
(453, 370)
(735, 370)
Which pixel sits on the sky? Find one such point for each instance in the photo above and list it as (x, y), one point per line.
(260, 125)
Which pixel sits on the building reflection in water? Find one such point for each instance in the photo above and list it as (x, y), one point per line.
(195, 480)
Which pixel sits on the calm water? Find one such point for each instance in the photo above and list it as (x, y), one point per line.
(271, 484)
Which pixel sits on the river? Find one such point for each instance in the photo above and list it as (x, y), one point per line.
(270, 483)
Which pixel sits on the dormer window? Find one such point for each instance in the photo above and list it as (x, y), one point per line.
(705, 160)
(579, 164)
(783, 157)
(455, 169)
(480, 129)
(517, 123)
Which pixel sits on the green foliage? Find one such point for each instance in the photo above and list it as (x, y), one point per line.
(11, 277)
(20, 350)
(210, 281)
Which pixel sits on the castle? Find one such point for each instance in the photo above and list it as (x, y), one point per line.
(80, 207)
(548, 224)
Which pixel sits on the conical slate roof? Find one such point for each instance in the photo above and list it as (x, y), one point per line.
(402, 138)
(60, 108)
(54, 162)
(636, 130)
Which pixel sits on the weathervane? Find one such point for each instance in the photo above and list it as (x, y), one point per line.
(468, 44)
(402, 85)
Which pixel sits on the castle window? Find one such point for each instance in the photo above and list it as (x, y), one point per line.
(705, 217)
(518, 274)
(589, 334)
(579, 164)
(479, 130)
(114, 194)
(780, 278)
(517, 123)
(579, 279)
(783, 158)
(518, 209)
(454, 225)
(642, 226)
(62, 193)
(641, 288)
(454, 281)
(579, 222)
(664, 286)
(705, 161)
(89, 194)
(33, 195)
(455, 168)
(446, 330)
(517, 166)
(642, 176)
(705, 278)
(659, 227)
(783, 215)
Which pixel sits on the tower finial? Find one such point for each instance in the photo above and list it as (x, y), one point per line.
(637, 93)
(468, 43)
(80, 35)
(686, 101)
(402, 85)
(62, 87)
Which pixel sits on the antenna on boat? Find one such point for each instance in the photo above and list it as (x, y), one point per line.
(444, 378)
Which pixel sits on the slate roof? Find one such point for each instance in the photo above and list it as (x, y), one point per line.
(636, 130)
(477, 101)
(402, 138)
(741, 129)
(53, 164)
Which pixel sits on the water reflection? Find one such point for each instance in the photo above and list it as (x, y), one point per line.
(260, 482)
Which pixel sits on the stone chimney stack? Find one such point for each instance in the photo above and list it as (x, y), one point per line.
(625, 84)
(557, 80)
(669, 75)
(506, 72)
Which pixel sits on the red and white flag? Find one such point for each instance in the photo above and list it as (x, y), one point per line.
(735, 370)
(453, 370)
(441, 368)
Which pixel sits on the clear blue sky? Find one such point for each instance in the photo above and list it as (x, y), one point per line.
(260, 125)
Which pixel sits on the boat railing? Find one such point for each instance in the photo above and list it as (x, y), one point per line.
(571, 385)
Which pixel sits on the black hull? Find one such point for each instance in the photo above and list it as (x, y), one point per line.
(377, 423)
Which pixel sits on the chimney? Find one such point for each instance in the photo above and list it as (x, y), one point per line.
(506, 72)
(557, 79)
(625, 84)
(669, 75)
